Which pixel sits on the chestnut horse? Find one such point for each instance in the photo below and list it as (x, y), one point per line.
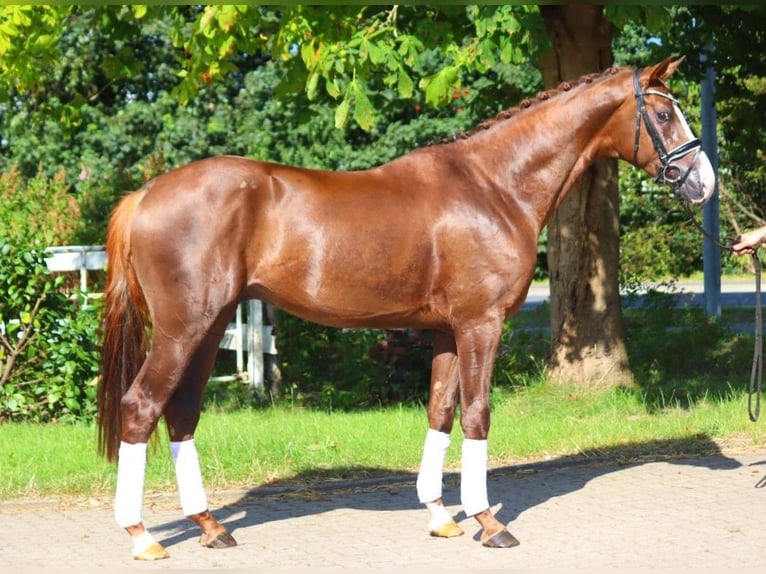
(443, 238)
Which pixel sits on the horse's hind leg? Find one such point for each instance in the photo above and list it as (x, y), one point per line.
(171, 382)
(441, 414)
(141, 407)
(182, 415)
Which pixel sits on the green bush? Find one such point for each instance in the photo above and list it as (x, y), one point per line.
(48, 342)
(345, 368)
(40, 207)
(658, 242)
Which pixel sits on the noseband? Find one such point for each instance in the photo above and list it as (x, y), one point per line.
(666, 158)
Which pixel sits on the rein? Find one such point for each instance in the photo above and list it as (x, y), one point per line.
(756, 373)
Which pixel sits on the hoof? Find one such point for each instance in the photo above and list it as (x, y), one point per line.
(223, 540)
(154, 551)
(502, 539)
(447, 530)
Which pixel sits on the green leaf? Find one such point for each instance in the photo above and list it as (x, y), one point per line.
(8, 29)
(364, 113)
(406, 85)
(485, 57)
(506, 51)
(377, 54)
(310, 55)
(45, 41)
(519, 56)
(207, 19)
(439, 86)
(227, 17)
(311, 85)
(209, 32)
(333, 89)
(341, 112)
(20, 18)
(409, 48)
(227, 47)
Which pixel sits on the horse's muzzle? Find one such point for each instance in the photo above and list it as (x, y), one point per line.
(698, 186)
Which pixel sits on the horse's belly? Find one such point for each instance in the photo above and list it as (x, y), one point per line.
(360, 298)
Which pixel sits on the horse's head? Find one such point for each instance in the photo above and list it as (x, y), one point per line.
(664, 144)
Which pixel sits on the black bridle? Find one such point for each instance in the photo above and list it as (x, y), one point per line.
(667, 169)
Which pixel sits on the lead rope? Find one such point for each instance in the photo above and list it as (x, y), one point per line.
(756, 373)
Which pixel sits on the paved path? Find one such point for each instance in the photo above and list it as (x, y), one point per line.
(738, 292)
(678, 513)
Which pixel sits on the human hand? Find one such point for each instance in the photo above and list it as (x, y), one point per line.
(749, 241)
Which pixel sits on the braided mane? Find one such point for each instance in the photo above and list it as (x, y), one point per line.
(529, 102)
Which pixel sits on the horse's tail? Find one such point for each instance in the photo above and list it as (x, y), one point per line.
(123, 326)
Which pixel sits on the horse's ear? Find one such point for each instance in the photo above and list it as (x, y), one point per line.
(662, 71)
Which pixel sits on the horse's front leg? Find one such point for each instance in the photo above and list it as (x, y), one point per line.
(477, 348)
(441, 414)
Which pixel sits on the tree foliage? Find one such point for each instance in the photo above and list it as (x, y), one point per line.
(94, 100)
(340, 52)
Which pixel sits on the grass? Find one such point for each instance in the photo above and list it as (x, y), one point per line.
(284, 445)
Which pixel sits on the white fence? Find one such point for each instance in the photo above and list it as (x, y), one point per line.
(248, 338)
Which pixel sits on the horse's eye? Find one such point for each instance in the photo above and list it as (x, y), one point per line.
(663, 116)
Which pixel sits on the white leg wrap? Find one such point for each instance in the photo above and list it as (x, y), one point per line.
(129, 498)
(473, 477)
(439, 516)
(142, 542)
(429, 484)
(189, 476)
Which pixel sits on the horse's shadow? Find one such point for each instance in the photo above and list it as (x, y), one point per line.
(395, 491)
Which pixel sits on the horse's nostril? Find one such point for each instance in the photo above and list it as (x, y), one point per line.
(672, 173)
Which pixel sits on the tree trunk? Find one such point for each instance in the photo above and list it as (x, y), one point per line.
(587, 337)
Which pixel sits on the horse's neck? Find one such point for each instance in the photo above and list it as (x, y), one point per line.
(535, 158)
